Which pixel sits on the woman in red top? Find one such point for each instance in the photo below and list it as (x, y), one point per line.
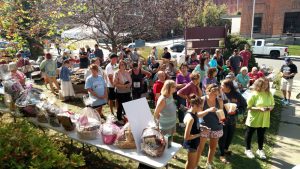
(159, 84)
(254, 75)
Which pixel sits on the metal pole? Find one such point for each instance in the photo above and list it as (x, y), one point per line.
(253, 13)
(237, 6)
(185, 40)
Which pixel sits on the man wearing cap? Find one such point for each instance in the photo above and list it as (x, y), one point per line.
(110, 69)
(288, 70)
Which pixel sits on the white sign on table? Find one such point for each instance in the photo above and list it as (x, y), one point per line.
(139, 116)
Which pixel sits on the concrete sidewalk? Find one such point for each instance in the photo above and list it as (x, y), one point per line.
(286, 153)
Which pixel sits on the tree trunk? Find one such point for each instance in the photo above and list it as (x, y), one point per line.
(114, 46)
(36, 48)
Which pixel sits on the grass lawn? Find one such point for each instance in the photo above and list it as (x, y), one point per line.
(238, 159)
(294, 50)
(145, 51)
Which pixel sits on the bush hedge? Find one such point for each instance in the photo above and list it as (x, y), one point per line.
(22, 146)
(237, 42)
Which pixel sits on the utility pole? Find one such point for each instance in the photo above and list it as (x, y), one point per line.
(237, 6)
(253, 13)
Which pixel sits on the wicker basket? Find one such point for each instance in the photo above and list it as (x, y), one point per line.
(153, 142)
(28, 111)
(54, 122)
(42, 118)
(88, 133)
(126, 141)
(66, 122)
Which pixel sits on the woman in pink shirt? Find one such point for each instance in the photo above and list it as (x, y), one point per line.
(192, 87)
(17, 75)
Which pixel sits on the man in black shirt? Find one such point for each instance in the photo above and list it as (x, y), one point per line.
(98, 53)
(83, 59)
(288, 70)
(235, 62)
(166, 54)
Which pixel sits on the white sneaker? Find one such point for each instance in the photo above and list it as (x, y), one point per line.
(182, 125)
(261, 154)
(249, 154)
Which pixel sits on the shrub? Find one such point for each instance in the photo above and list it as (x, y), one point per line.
(237, 42)
(22, 146)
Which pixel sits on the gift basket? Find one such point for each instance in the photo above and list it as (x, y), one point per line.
(230, 108)
(12, 87)
(65, 120)
(125, 138)
(52, 112)
(42, 116)
(88, 124)
(27, 101)
(109, 132)
(153, 142)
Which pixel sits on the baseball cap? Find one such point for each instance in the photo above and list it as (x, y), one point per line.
(166, 48)
(287, 59)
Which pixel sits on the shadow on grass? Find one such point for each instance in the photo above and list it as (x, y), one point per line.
(94, 159)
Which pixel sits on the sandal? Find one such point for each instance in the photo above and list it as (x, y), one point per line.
(223, 160)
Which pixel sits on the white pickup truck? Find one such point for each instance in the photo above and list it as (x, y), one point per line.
(260, 47)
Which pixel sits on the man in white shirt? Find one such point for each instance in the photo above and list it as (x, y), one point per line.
(110, 69)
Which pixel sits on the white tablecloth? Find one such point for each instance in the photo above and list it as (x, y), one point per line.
(155, 162)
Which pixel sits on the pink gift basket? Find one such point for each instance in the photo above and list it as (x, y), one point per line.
(109, 132)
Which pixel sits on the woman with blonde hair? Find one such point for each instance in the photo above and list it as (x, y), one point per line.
(260, 105)
(165, 111)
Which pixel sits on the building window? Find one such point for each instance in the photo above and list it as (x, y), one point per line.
(291, 22)
(257, 22)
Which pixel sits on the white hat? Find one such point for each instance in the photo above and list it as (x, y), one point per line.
(12, 66)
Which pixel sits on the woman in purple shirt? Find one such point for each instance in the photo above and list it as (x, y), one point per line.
(182, 79)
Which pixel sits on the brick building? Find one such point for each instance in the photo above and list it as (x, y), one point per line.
(273, 18)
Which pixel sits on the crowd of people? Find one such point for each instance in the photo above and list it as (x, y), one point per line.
(195, 93)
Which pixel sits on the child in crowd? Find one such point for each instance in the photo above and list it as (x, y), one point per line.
(66, 87)
(192, 131)
(226, 68)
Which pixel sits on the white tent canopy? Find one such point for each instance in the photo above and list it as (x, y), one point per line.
(81, 32)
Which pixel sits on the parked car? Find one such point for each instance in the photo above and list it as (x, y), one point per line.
(177, 52)
(260, 47)
(3, 44)
(131, 45)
